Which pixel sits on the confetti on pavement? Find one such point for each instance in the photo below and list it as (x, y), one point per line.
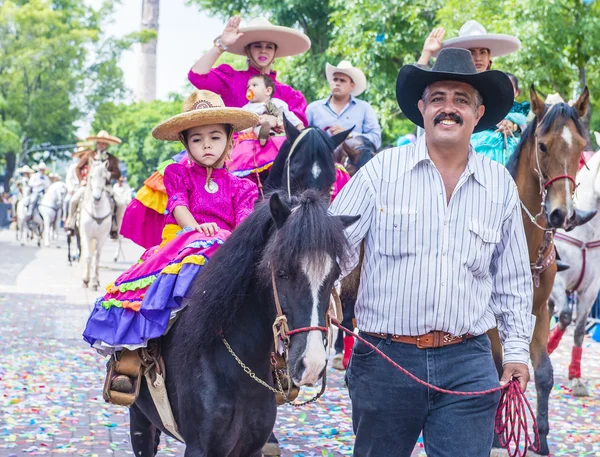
(51, 401)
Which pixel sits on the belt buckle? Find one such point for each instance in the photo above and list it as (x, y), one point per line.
(424, 342)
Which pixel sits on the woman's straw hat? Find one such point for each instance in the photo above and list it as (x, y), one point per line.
(203, 107)
(289, 42)
(103, 137)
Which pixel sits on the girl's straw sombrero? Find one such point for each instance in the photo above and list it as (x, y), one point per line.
(104, 137)
(203, 107)
(289, 42)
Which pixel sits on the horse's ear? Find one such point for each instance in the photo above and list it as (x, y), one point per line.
(537, 104)
(339, 137)
(279, 210)
(347, 221)
(582, 103)
(291, 132)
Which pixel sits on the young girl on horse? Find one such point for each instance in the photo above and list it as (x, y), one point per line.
(205, 203)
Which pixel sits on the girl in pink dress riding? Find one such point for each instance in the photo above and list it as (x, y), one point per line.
(205, 203)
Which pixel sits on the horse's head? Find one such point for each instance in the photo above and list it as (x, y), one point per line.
(310, 163)
(301, 263)
(558, 142)
(355, 153)
(97, 177)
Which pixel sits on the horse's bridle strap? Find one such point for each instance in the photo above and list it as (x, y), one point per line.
(558, 178)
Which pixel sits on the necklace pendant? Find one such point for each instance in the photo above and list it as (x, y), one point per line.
(211, 187)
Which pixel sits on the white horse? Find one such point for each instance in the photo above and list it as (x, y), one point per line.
(50, 208)
(28, 230)
(576, 289)
(94, 221)
(122, 195)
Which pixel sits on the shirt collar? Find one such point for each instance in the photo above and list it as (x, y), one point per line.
(474, 162)
(326, 100)
(253, 71)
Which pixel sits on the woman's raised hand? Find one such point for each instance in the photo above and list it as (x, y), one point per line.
(231, 33)
(433, 43)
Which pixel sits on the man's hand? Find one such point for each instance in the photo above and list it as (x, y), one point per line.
(506, 127)
(518, 371)
(336, 129)
(208, 229)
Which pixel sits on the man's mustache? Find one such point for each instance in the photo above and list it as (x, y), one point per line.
(448, 116)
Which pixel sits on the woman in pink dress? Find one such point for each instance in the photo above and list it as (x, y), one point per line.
(205, 203)
(261, 42)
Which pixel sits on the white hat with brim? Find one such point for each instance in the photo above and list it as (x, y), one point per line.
(597, 136)
(473, 35)
(289, 42)
(203, 107)
(358, 77)
(103, 137)
(553, 99)
(40, 166)
(24, 169)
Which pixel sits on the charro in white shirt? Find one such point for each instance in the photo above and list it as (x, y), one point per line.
(459, 266)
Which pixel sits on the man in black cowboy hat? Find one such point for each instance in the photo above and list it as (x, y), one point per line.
(445, 260)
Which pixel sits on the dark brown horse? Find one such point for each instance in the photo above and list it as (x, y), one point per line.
(544, 166)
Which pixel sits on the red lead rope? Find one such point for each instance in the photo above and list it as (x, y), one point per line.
(511, 423)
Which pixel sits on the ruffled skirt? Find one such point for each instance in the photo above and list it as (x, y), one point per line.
(139, 304)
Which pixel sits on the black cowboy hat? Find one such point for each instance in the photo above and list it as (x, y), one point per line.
(455, 64)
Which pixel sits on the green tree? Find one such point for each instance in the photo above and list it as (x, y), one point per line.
(133, 123)
(46, 81)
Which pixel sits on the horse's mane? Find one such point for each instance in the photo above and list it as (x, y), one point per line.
(556, 118)
(220, 290)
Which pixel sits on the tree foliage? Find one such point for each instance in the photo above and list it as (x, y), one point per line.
(55, 67)
(133, 123)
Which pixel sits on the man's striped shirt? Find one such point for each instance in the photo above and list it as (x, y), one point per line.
(459, 267)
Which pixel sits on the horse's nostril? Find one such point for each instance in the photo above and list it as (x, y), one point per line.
(557, 218)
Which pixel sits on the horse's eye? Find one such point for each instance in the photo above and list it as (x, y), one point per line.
(543, 148)
(282, 274)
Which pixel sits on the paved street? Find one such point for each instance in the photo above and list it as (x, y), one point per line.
(50, 381)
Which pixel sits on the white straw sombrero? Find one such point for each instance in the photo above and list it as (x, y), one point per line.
(473, 35)
(25, 169)
(345, 67)
(203, 107)
(289, 42)
(104, 137)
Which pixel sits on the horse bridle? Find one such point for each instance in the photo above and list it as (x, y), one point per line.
(282, 334)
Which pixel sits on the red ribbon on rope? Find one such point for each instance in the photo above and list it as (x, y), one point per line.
(511, 424)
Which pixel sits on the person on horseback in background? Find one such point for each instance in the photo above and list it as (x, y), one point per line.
(205, 203)
(103, 140)
(342, 109)
(21, 186)
(71, 178)
(38, 183)
(496, 143)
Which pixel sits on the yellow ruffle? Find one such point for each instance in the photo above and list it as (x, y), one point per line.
(169, 232)
(152, 199)
(176, 267)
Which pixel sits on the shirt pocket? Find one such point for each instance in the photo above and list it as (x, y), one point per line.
(483, 241)
(397, 231)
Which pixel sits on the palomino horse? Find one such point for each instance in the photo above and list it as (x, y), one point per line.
(94, 221)
(577, 288)
(282, 260)
(50, 208)
(544, 165)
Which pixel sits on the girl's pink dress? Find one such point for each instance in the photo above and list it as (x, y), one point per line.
(138, 305)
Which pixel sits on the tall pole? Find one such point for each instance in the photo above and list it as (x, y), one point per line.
(146, 87)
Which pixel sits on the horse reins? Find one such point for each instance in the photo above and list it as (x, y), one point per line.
(584, 248)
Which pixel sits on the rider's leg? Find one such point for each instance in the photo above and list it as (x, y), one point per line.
(33, 202)
(114, 226)
(73, 205)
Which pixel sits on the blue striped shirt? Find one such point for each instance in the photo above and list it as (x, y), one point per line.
(458, 267)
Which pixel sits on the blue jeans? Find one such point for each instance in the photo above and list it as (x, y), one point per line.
(390, 410)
